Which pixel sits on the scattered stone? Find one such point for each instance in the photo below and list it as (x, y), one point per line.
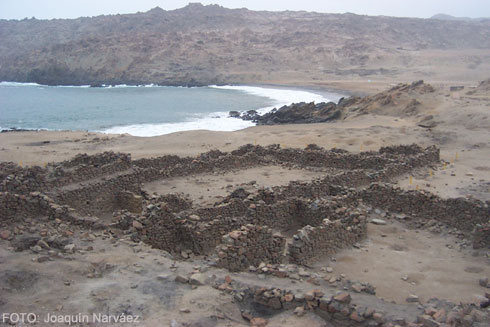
(175, 323)
(357, 288)
(181, 279)
(137, 225)
(439, 315)
(483, 282)
(318, 293)
(194, 217)
(427, 321)
(43, 244)
(314, 281)
(258, 322)
(197, 279)
(247, 315)
(368, 313)
(288, 297)
(412, 298)
(36, 249)
(342, 297)
(185, 310)
(42, 259)
(377, 221)
(303, 273)
(5, 234)
(70, 248)
(355, 316)
(310, 296)
(299, 311)
(379, 317)
(164, 277)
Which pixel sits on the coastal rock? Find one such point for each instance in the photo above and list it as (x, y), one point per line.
(300, 113)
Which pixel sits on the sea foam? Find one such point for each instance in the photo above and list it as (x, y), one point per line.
(18, 84)
(215, 122)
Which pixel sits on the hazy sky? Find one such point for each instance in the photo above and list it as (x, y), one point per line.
(47, 9)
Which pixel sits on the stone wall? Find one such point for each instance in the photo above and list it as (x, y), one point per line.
(21, 180)
(84, 167)
(311, 243)
(96, 160)
(250, 246)
(481, 236)
(164, 229)
(202, 230)
(100, 197)
(170, 222)
(463, 214)
(59, 176)
(342, 309)
(16, 206)
(129, 201)
(176, 202)
(109, 173)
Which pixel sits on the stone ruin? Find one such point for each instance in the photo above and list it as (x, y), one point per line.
(294, 224)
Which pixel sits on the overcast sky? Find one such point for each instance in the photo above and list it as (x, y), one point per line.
(47, 9)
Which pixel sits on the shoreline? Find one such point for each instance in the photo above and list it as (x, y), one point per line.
(311, 87)
(279, 94)
(324, 90)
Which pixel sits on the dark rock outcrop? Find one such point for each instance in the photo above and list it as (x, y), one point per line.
(297, 113)
(401, 101)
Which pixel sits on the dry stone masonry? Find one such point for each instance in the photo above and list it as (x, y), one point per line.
(250, 246)
(319, 217)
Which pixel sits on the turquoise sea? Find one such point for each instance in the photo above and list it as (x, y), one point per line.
(139, 110)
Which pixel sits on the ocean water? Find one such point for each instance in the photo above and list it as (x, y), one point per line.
(139, 110)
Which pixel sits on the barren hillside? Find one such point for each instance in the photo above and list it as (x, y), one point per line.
(211, 45)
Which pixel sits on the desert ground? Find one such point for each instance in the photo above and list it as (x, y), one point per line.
(408, 266)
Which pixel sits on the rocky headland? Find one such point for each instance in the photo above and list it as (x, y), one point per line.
(400, 101)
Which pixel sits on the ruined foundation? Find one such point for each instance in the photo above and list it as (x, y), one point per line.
(294, 224)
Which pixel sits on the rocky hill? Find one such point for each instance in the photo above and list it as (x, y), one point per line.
(482, 89)
(449, 17)
(211, 45)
